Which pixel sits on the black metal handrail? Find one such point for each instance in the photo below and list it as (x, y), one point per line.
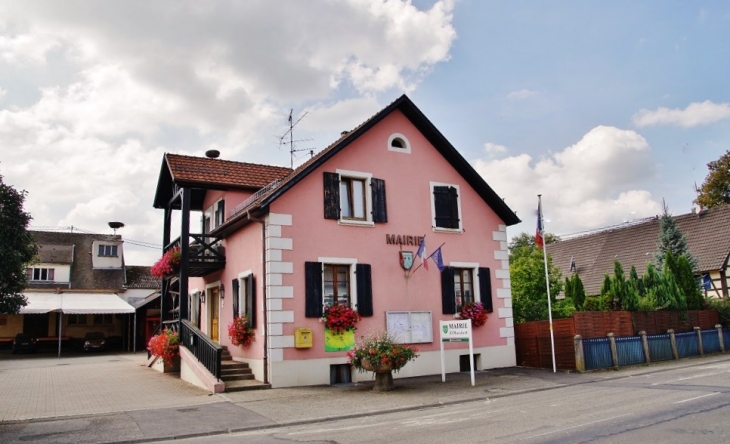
(206, 351)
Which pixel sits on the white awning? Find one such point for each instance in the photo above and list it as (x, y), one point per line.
(75, 303)
(39, 303)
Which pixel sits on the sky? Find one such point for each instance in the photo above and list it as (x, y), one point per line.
(606, 109)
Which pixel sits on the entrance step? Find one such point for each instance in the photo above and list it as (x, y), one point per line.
(238, 376)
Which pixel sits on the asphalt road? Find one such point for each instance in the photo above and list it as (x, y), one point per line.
(688, 405)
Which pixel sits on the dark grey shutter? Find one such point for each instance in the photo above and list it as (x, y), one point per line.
(380, 210)
(313, 289)
(331, 195)
(234, 290)
(448, 298)
(453, 208)
(364, 289)
(251, 301)
(442, 207)
(200, 308)
(485, 289)
(220, 212)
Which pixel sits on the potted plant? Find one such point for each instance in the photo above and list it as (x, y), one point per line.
(240, 332)
(168, 264)
(474, 311)
(340, 318)
(379, 353)
(166, 345)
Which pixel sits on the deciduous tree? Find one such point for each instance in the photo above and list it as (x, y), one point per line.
(715, 190)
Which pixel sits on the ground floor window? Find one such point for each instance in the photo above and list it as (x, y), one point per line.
(463, 286)
(74, 319)
(336, 285)
(103, 319)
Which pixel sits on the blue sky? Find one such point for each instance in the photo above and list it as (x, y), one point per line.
(603, 108)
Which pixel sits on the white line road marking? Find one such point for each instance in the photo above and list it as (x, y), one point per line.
(697, 397)
(702, 375)
(577, 425)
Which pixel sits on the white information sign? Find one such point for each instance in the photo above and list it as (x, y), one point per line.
(458, 330)
(410, 327)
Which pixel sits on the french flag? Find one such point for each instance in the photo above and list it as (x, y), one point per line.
(422, 253)
(538, 232)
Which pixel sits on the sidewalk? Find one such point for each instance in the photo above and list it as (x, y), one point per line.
(138, 404)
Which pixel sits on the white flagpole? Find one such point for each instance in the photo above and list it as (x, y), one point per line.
(547, 279)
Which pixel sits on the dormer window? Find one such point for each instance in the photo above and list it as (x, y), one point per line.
(107, 250)
(40, 274)
(399, 143)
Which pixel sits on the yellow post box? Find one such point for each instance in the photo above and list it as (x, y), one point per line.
(303, 338)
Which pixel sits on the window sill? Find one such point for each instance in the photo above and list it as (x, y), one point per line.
(447, 230)
(356, 223)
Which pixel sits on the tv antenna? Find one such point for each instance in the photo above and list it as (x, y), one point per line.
(290, 133)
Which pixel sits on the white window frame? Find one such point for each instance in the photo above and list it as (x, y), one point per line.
(352, 262)
(474, 267)
(40, 272)
(434, 228)
(243, 290)
(404, 150)
(104, 247)
(367, 177)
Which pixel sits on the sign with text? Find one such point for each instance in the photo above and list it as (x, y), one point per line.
(458, 330)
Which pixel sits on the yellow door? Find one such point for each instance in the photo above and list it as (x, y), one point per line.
(214, 308)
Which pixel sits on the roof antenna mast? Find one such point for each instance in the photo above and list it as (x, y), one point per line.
(291, 141)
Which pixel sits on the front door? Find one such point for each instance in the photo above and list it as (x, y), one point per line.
(213, 304)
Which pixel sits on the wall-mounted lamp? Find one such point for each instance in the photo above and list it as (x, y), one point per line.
(221, 291)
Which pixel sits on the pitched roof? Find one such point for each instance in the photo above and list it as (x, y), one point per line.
(419, 120)
(204, 172)
(707, 235)
(140, 277)
(83, 275)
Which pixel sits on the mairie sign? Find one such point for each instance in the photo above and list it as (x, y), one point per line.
(455, 331)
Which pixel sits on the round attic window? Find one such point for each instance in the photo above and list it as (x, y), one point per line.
(398, 142)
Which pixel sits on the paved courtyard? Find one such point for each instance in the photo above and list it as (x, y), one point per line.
(44, 386)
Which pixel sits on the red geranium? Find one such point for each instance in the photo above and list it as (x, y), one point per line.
(340, 318)
(168, 264)
(241, 332)
(475, 312)
(166, 345)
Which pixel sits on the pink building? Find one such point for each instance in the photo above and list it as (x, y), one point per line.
(278, 245)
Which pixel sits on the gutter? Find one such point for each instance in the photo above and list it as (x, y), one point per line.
(264, 295)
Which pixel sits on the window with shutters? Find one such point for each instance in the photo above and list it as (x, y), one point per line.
(354, 198)
(244, 303)
(445, 207)
(341, 281)
(464, 282)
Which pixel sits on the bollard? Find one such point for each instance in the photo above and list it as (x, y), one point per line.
(673, 342)
(614, 352)
(645, 346)
(720, 337)
(699, 341)
(580, 360)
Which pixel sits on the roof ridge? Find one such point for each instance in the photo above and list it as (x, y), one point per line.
(238, 162)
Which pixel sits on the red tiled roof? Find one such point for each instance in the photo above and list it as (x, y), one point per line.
(707, 235)
(203, 170)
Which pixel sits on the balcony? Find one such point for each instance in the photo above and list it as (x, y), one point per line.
(206, 254)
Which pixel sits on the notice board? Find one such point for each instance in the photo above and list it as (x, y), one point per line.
(410, 327)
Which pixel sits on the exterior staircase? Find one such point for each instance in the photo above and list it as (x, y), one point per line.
(237, 375)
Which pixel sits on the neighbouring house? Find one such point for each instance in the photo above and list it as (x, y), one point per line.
(73, 289)
(279, 245)
(142, 291)
(635, 244)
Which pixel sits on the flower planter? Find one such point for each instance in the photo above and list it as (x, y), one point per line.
(383, 376)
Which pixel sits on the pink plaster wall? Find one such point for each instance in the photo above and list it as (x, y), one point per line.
(408, 194)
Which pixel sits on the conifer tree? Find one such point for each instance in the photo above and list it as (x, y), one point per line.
(689, 285)
(579, 292)
(671, 239)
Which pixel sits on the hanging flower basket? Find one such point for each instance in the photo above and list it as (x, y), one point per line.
(240, 332)
(340, 318)
(165, 345)
(167, 265)
(474, 311)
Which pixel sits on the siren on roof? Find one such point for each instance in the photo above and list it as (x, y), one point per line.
(212, 154)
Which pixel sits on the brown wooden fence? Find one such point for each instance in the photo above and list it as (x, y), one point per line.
(532, 339)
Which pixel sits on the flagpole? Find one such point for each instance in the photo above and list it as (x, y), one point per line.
(547, 280)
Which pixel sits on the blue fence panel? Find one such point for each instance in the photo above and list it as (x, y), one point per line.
(597, 353)
(687, 344)
(629, 350)
(660, 348)
(710, 341)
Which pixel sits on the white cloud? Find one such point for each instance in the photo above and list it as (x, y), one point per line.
(695, 114)
(521, 94)
(593, 183)
(493, 148)
(30, 47)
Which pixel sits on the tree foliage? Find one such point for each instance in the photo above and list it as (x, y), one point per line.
(524, 244)
(17, 248)
(671, 239)
(529, 292)
(715, 190)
